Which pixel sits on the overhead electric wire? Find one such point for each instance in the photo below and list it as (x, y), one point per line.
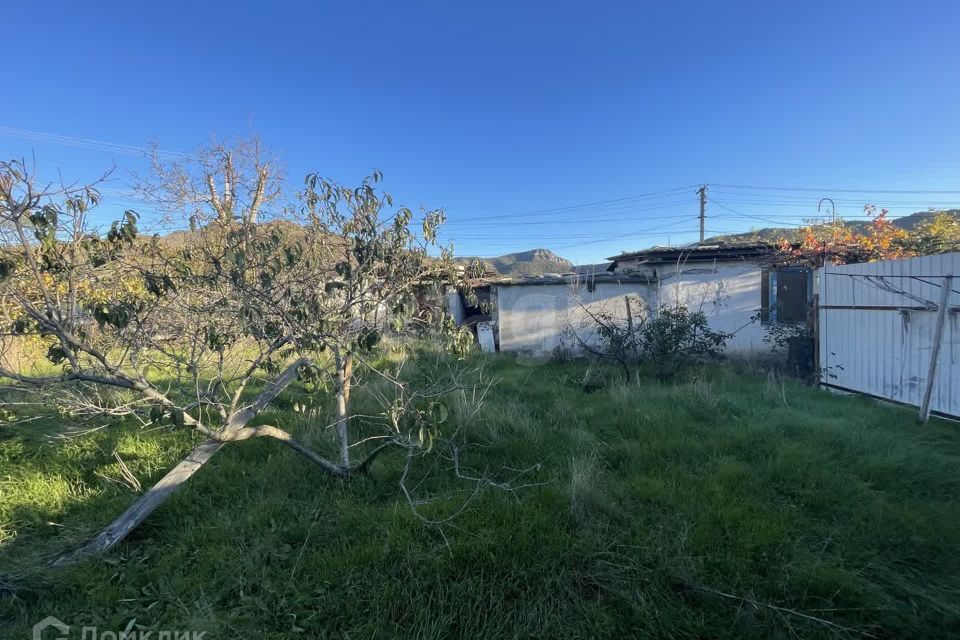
(813, 198)
(915, 206)
(648, 232)
(579, 221)
(747, 215)
(585, 205)
(84, 143)
(640, 233)
(833, 190)
(619, 210)
(607, 239)
(910, 208)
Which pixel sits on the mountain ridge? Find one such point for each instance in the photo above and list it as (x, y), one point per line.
(530, 262)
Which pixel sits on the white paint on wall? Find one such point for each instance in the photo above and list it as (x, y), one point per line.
(538, 318)
(729, 293)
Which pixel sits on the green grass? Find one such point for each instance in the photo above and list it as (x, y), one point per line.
(655, 498)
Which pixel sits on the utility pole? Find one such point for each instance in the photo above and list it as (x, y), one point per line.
(703, 209)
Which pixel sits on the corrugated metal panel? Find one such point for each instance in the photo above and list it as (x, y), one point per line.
(877, 322)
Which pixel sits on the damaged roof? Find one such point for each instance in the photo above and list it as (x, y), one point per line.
(570, 278)
(698, 253)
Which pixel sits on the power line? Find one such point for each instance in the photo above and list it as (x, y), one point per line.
(607, 239)
(802, 198)
(801, 216)
(84, 143)
(747, 215)
(648, 233)
(674, 222)
(581, 220)
(645, 232)
(824, 190)
(585, 205)
(794, 205)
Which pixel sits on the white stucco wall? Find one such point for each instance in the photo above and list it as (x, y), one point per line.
(728, 292)
(538, 319)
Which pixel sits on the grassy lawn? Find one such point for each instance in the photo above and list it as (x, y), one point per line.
(666, 510)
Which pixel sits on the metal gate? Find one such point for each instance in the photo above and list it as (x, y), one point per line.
(880, 323)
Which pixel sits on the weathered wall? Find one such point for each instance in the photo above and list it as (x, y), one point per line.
(455, 305)
(727, 292)
(539, 319)
(877, 323)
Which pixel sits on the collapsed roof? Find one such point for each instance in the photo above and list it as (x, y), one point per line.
(697, 253)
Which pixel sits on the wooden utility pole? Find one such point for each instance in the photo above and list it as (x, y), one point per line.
(935, 347)
(703, 209)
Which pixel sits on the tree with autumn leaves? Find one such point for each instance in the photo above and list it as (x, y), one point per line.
(841, 243)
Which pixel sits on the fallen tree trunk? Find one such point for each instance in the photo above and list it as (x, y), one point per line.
(146, 504)
(130, 519)
(235, 430)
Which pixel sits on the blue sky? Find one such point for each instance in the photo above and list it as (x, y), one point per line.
(563, 112)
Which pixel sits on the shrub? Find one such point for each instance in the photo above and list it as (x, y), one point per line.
(666, 341)
(674, 337)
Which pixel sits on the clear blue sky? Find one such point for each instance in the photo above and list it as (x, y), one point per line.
(493, 108)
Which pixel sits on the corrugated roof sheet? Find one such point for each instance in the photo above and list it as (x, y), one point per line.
(699, 252)
(571, 278)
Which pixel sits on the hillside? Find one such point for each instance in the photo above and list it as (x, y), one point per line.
(772, 234)
(532, 262)
(522, 263)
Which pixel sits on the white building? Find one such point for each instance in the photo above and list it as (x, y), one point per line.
(736, 286)
(542, 316)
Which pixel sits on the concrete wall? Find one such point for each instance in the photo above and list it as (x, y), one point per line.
(633, 265)
(539, 319)
(727, 292)
(455, 305)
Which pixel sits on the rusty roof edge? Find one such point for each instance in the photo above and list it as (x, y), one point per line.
(659, 254)
(575, 278)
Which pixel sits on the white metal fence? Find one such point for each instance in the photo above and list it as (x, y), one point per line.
(878, 327)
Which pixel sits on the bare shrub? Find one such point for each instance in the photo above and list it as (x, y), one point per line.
(665, 341)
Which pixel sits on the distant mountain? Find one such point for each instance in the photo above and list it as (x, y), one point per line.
(772, 234)
(590, 269)
(524, 263)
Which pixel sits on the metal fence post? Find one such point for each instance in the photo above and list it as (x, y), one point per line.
(935, 350)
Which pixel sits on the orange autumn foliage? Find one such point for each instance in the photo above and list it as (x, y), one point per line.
(841, 244)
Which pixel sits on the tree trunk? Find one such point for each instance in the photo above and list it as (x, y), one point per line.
(344, 366)
(176, 477)
(144, 506)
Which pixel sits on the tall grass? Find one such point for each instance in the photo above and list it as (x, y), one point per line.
(653, 499)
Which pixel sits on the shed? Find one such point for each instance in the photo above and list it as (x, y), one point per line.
(739, 286)
(549, 314)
